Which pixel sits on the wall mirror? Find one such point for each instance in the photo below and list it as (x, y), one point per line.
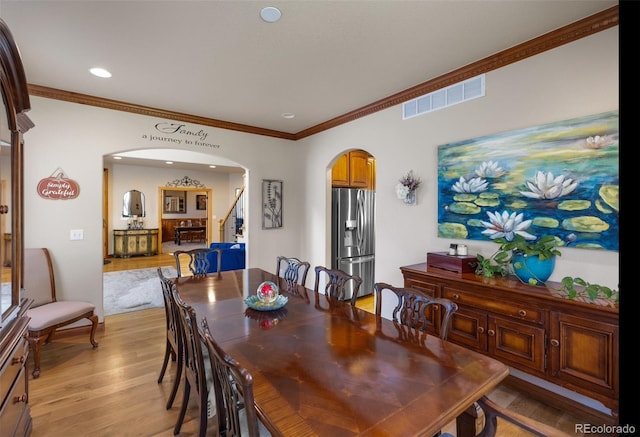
(174, 202)
(5, 219)
(133, 204)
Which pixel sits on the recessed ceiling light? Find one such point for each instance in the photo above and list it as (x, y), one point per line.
(100, 72)
(117, 157)
(288, 115)
(212, 166)
(168, 162)
(270, 14)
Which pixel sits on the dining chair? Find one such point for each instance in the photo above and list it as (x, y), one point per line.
(492, 411)
(292, 270)
(199, 262)
(411, 308)
(47, 313)
(198, 235)
(174, 346)
(337, 284)
(233, 387)
(195, 377)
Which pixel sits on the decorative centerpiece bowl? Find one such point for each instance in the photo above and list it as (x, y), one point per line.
(267, 298)
(268, 292)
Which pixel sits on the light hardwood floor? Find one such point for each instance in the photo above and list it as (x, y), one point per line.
(112, 391)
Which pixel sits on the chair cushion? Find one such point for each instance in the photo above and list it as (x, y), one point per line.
(53, 313)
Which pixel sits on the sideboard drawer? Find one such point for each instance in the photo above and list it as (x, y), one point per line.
(526, 312)
(12, 367)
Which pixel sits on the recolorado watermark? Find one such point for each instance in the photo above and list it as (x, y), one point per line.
(587, 428)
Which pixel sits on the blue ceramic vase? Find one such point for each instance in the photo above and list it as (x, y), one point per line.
(531, 269)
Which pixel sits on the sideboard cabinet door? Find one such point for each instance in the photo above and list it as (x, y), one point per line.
(584, 354)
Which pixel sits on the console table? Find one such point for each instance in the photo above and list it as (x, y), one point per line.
(571, 344)
(135, 242)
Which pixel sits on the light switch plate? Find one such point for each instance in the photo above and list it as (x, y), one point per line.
(77, 234)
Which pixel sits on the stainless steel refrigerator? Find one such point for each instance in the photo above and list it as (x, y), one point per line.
(353, 235)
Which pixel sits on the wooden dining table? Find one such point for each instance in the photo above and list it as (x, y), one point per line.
(322, 367)
(178, 232)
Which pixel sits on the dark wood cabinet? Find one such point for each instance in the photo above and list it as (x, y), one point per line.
(15, 414)
(15, 418)
(510, 330)
(571, 344)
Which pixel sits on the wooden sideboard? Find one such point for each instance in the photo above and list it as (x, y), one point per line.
(572, 344)
(135, 242)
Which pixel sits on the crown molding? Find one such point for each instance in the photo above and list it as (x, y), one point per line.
(572, 32)
(564, 35)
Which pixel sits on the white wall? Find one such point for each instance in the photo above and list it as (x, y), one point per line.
(76, 137)
(560, 84)
(577, 79)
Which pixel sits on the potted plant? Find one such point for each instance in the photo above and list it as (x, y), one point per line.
(522, 257)
(496, 264)
(532, 261)
(583, 291)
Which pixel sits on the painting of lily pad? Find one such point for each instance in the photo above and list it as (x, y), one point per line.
(557, 179)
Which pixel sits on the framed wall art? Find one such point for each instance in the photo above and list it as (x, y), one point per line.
(271, 204)
(558, 179)
(201, 201)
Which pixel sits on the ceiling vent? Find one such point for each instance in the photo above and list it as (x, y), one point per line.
(452, 95)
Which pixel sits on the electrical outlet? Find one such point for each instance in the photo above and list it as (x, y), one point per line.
(77, 234)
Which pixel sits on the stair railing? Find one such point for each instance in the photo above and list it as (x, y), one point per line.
(223, 222)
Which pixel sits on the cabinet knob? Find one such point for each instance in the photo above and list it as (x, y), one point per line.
(491, 332)
(4, 209)
(522, 313)
(555, 342)
(22, 398)
(480, 329)
(456, 296)
(18, 360)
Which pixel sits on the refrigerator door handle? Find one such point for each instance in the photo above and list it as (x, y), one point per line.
(361, 219)
(361, 259)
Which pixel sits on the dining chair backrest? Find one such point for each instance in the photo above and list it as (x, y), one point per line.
(337, 284)
(194, 366)
(174, 348)
(199, 262)
(292, 270)
(415, 309)
(233, 385)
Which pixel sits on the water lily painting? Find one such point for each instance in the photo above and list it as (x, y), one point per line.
(558, 179)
